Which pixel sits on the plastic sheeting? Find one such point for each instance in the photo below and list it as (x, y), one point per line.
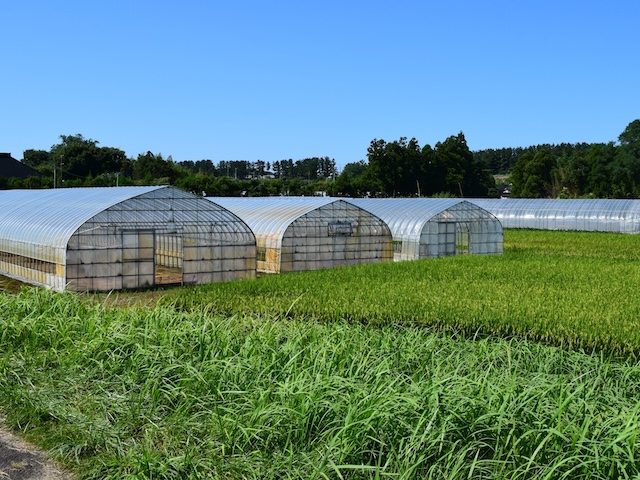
(596, 215)
(435, 227)
(309, 233)
(95, 239)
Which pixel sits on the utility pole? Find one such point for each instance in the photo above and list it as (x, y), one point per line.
(55, 172)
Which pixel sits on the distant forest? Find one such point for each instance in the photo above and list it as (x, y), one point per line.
(397, 168)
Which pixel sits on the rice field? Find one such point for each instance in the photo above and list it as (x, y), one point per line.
(344, 374)
(576, 290)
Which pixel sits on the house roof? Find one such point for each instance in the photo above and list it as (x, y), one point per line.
(12, 168)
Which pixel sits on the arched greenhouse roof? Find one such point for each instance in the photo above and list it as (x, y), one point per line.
(408, 216)
(49, 217)
(271, 215)
(599, 215)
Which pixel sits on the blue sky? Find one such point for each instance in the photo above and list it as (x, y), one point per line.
(273, 80)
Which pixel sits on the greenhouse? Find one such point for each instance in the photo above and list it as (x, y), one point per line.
(436, 227)
(595, 215)
(101, 239)
(311, 233)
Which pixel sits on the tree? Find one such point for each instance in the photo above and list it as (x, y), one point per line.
(350, 182)
(77, 158)
(36, 158)
(630, 139)
(572, 174)
(625, 168)
(397, 167)
(150, 169)
(458, 172)
(532, 175)
(600, 157)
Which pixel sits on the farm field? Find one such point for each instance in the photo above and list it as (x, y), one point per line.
(571, 289)
(513, 367)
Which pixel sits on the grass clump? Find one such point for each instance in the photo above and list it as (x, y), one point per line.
(136, 393)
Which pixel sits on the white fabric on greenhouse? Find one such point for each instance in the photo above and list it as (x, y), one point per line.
(271, 215)
(47, 218)
(598, 215)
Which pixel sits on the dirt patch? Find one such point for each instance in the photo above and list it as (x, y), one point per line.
(22, 461)
(10, 285)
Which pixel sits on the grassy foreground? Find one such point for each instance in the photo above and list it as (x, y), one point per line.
(201, 387)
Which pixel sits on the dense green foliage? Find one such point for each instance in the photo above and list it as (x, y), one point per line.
(600, 170)
(77, 161)
(371, 372)
(403, 168)
(396, 168)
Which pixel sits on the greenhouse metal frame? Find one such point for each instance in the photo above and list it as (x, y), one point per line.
(112, 238)
(436, 227)
(594, 215)
(311, 233)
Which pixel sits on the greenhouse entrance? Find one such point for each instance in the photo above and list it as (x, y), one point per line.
(151, 258)
(463, 239)
(455, 237)
(168, 258)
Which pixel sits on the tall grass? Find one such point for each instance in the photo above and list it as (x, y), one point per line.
(408, 371)
(135, 393)
(576, 290)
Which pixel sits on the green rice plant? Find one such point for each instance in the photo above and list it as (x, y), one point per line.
(407, 371)
(138, 393)
(572, 289)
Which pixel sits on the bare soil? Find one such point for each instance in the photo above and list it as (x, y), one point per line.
(21, 461)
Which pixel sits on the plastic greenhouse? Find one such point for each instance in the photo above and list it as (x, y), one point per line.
(436, 227)
(100, 239)
(311, 233)
(596, 215)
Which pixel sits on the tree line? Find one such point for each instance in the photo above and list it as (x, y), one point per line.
(397, 168)
(403, 168)
(583, 170)
(78, 161)
(392, 168)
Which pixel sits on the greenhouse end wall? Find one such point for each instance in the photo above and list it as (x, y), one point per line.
(436, 227)
(311, 233)
(459, 230)
(147, 242)
(336, 234)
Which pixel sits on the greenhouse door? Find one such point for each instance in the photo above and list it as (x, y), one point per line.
(169, 255)
(454, 238)
(446, 239)
(138, 265)
(462, 239)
